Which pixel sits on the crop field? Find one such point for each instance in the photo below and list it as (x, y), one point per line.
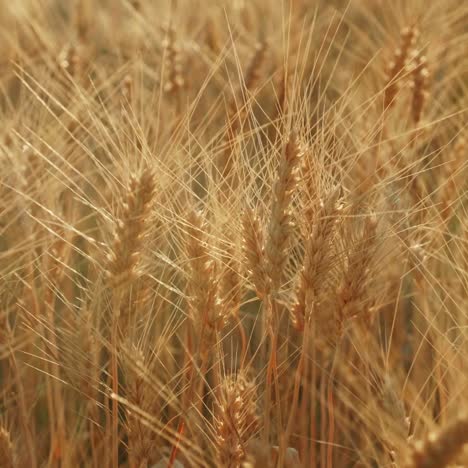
(233, 233)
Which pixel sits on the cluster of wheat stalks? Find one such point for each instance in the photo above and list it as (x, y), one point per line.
(233, 233)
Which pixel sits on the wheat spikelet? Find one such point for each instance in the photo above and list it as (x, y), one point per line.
(70, 61)
(441, 448)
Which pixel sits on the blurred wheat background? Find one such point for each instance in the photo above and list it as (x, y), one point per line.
(233, 233)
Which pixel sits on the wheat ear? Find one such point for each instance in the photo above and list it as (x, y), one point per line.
(236, 420)
(124, 256)
(253, 246)
(7, 454)
(419, 85)
(351, 292)
(409, 36)
(316, 251)
(280, 224)
(202, 284)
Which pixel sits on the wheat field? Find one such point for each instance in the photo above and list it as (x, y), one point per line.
(233, 233)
